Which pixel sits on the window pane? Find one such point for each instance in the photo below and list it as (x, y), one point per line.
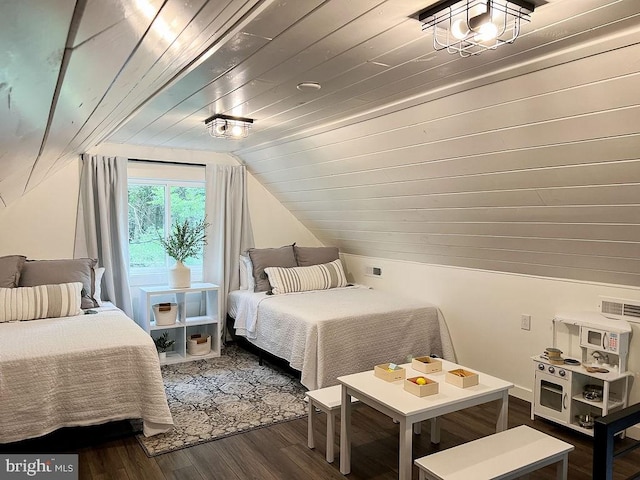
(146, 225)
(188, 203)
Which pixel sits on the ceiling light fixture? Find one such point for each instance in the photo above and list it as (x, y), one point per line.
(470, 27)
(226, 126)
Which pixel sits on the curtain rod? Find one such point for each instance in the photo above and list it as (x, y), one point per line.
(188, 164)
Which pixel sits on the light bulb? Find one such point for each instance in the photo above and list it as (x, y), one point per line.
(487, 32)
(236, 131)
(459, 29)
(220, 128)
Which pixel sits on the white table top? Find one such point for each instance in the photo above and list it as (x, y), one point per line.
(393, 395)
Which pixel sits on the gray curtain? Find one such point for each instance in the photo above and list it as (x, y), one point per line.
(102, 228)
(230, 230)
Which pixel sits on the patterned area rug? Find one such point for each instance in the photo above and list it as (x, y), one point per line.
(215, 398)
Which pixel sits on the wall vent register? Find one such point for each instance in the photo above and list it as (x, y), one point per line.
(619, 309)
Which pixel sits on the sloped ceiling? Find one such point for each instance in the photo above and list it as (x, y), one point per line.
(523, 159)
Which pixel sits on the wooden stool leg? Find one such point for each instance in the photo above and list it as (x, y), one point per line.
(310, 424)
(331, 434)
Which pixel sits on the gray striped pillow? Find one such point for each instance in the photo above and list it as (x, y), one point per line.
(43, 301)
(302, 279)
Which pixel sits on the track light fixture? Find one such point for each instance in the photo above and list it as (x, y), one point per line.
(470, 27)
(226, 126)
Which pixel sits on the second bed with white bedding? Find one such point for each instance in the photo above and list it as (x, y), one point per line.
(329, 333)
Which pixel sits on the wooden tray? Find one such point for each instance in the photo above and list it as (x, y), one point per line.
(462, 378)
(426, 364)
(382, 371)
(429, 388)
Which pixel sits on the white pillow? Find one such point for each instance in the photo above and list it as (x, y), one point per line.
(247, 282)
(42, 301)
(243, 273)
(302, 279)
(97, 285)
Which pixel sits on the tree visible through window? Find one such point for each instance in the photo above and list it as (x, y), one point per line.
(153, 208)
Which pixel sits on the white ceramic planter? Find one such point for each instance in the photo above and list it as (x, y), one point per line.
(162, 356)
(179, 276)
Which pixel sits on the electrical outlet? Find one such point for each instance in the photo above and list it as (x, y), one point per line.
(525, 322)
(373, 271)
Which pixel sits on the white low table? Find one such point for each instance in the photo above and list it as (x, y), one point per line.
(505, 455)
(391, 399)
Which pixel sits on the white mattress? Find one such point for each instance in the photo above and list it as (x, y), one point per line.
(329, 333)
(75, 371)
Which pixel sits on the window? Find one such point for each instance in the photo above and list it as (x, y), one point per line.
(154, 206)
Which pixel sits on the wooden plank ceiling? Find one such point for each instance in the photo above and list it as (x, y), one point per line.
(524, 159)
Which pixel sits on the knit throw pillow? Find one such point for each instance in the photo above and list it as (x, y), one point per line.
(302, 279)
(42, 301)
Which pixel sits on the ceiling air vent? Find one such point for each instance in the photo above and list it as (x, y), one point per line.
(620, 309)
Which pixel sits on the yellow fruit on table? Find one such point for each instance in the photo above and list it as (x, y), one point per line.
(421, 381)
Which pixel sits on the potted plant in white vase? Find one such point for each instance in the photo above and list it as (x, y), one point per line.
(185, 240)
(163, 344)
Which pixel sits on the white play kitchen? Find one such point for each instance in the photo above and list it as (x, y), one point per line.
(584, 374)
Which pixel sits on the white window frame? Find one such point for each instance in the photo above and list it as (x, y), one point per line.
(153, 275)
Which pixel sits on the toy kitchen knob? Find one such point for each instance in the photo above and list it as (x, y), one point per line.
(551, 369)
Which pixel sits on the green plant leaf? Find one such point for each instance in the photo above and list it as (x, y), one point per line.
(163, 343)
(185, 239)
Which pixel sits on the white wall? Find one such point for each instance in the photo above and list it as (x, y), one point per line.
(41, 224)
(482, 310)
(273, 225)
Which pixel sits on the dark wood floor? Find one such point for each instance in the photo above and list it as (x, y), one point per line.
(280, 451)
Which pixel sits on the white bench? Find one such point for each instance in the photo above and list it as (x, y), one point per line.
(328, 400)
(504, 455)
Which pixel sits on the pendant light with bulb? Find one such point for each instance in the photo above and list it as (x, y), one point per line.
(469, 27)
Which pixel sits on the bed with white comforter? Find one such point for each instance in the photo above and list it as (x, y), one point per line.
(329, 333)
(77, 371)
